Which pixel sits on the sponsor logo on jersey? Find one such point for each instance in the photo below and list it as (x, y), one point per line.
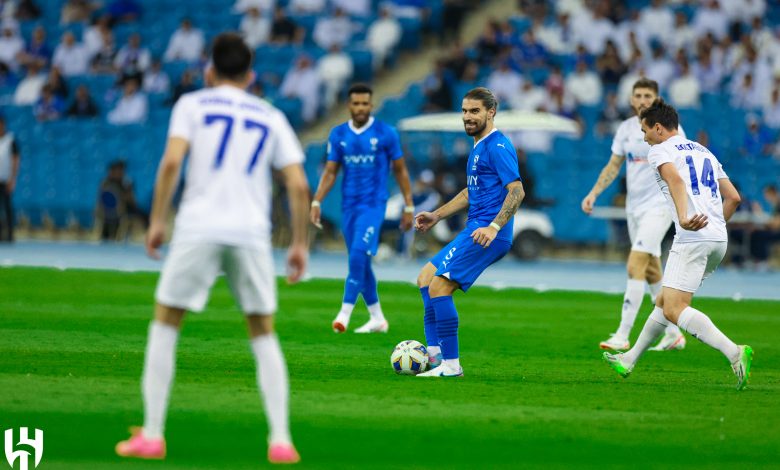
(359, 160)
(472, 180)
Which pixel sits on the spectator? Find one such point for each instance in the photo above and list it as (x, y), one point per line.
(437, 88)
(83, 105)
(610, 67)
(255, 27)
(263, 6)
(762, 240)
(657, 21)
(610, 116)
(57, 83)
(116, 202)
(284, 30)
(529, 98)
(27, 10)
(186, 84)
(684, 36)
(70, 57)
(452, 18)
(303, 82)
(594, 30)
(361, 8)
(335, 69)
(758, 140)
(504, 82)
(28, 91)
(557, 36)
(383, 36)
(555, 81)
(94, 35)
(49, 106)
(710, 18)
(414, 9)
(530, 53)
(11, 45)
(772, 110)
(487, 44)
(132, 107)
(659, 67)
(124, 11)
(103, 60)
(684, 90)
(745, 95)
(156, 81)
(37, 50)
(186, 43)
(307, 7)
(132, 59)
(584, 85)
(333, 30)
(9, 169)
(77, 11)
(708, 73)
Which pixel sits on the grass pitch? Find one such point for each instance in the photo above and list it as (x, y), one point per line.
(535, 394)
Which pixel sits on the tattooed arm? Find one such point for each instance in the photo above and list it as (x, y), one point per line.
(607, 176)
(485, 235)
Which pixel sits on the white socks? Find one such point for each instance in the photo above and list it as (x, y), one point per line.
(159, 368)
(375, 311)
(632, 300)
(274, 386)
(654, 327)
(701, 327)
(346, 309)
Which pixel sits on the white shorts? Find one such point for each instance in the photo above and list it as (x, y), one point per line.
(689, 264)
(647, 230)
(191, 269)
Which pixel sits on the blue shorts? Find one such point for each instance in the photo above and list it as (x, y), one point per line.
(361, 228)
(462, 260)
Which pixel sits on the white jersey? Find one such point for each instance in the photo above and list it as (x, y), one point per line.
(700, 170)
(234, 140)
(629, 142)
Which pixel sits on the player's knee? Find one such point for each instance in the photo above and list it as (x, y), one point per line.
(637, 265)
(426, 275)
(672, 311)
(169, 315)
(260, 325)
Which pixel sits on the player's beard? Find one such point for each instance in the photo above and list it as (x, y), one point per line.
(478, 127)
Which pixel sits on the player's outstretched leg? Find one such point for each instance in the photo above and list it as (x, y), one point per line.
(447, 331)
(159, 367)
(358, 261)
(624, 363)
(377, 323)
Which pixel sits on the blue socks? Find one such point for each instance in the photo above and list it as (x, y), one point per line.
(370, 294)
(431, 337)
(356, 279)
(446, 321)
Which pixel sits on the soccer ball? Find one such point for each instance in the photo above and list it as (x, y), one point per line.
(409, 358)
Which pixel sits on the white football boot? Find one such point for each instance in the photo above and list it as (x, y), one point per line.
(374, 326)
(615, 343)
(341, 322)
(670, 342)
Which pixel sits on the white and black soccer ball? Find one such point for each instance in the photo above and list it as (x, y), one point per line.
(409, 357)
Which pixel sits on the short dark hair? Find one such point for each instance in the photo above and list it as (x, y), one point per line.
(484, 95)
(645, 82)
(231, 57)
(661, 113)
(360, 88)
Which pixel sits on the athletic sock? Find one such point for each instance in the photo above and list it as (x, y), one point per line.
(655, 289)
(632, 300)
(159, 369)
(370, 292)
(446, 326)
(701, 327)
(375, 311)
(429, 319)
(356, 279)
(274, 387)
(653, 328)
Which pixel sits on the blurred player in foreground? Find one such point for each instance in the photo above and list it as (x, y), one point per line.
(693, 181)
(492, 196)
(223, 224)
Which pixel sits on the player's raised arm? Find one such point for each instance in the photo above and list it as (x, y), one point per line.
(402, 177)
(731, 197)
(606, 177)
(298, 192)
(327, 180)
(425, 220)
(164, 187)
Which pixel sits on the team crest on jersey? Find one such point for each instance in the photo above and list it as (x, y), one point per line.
(374, 141)
(476, 160)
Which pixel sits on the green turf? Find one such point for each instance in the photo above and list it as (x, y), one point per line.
(535, 394)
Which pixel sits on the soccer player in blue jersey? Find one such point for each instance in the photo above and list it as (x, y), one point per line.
(493, 194)
(367, 149)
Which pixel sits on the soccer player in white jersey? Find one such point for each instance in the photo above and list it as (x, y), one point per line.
(692, 181)
(234, 140)
(648, 221)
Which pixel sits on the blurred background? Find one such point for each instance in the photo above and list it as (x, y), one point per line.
(86, 90)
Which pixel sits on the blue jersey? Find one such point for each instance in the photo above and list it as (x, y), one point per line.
(491, 166)
(365, 155)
